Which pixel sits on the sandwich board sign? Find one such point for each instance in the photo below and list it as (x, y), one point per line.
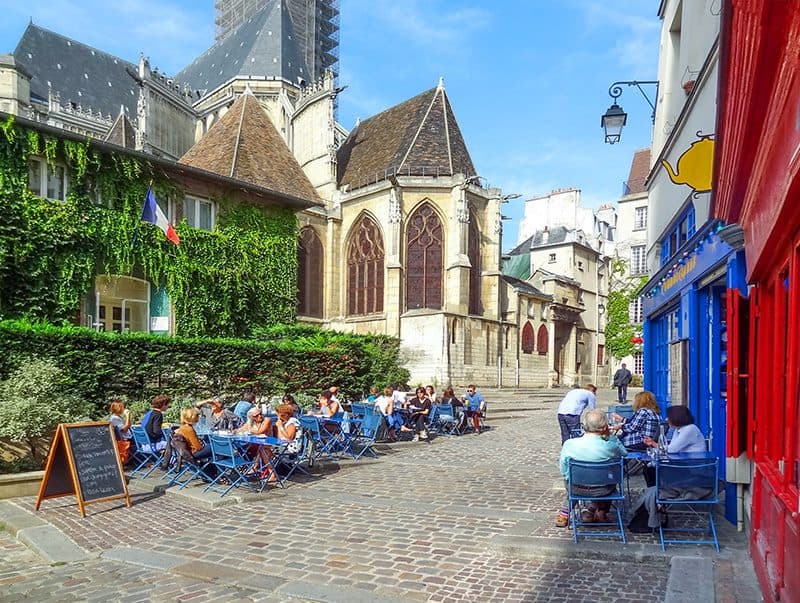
(84, 462)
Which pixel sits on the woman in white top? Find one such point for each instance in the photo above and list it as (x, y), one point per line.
(288, 428)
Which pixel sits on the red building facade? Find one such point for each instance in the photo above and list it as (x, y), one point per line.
(757, 185)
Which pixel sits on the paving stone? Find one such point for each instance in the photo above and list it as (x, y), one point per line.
(144, 557)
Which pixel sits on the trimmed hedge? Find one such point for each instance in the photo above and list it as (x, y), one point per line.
(136, 366)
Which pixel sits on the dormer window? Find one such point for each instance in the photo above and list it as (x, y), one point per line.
(551, 259)
(47, 182)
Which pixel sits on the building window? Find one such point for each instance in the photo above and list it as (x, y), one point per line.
(365, 268)
(551, 259)
(542, 341)
(601, 354)
(638, 260)
(527, 338)
(199, 213)
(580, 265)
(474, 254)
(682, 230)
(122, 304)
(635, 315)
(531, 309)
(638, 363)
(309, 274)
(640, 218)
(425, 259)
(47, 182)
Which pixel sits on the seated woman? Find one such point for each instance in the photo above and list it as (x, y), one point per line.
(259, 425)
(420, 407)
(218, 418)
(687, 438)
(449, 397)
(328, 406)
(289, 429)
(189, 417)
(121, 420)
(645, 422)
(289, 399)
(394, 420)
(431, 393)
(153, 419)
(374, 394)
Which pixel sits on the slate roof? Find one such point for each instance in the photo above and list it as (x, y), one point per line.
(81, 74)
(417, 137)
(245, 145)
(526, 287)
(640, 168)
(122, 132)
(264, 45)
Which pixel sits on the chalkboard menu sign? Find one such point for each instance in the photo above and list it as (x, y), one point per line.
(84, 461)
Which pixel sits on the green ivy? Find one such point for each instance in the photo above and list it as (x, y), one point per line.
(222, 283)
(619, 330)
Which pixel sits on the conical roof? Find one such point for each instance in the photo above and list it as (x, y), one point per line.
(418, 137)
(245, 145)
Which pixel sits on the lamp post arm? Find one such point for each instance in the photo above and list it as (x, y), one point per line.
(615, 91)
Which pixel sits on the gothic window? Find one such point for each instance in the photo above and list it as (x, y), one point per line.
(474, 254)
(542, 341)
(365, 268)
(309, 274)
(425, 261)
(527, 338)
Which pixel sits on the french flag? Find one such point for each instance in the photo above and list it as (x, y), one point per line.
(152, 213)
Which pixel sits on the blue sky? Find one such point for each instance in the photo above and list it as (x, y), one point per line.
(528, 79)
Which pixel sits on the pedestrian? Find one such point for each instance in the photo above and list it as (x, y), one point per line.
(621, 379)
(574, 403)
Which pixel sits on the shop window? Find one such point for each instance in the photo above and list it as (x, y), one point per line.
(365, 268)
(527, 338)
(474, 254)
(424, 265)
(640, 218)
(122, 304)
(45, 181)
(309, 274)
(542, 341)
(198, 213)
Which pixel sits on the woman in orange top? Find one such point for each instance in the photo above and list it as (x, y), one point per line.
(189, 417)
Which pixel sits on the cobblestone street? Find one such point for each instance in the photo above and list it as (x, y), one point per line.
(460, 519)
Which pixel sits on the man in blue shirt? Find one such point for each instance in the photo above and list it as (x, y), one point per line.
(596, 445)
(475, 406)
(247, 402)
(574, 403)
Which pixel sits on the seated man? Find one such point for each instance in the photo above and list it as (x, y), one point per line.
(475, 406)
(596, 445)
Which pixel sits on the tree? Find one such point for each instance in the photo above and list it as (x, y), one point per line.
(34, 400)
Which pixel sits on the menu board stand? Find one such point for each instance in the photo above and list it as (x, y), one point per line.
(84, 461)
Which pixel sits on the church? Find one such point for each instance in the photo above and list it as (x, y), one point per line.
(400, 236)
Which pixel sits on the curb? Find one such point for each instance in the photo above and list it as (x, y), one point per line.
(44, 539)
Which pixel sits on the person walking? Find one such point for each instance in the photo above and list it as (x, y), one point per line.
(621, 379)
(574, 403)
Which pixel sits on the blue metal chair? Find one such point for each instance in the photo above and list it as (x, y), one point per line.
(586, 475)
(691, 485)
(443, 419)
(184, 464)
(231, 464)
(322, 443)
(368, 432)
(623, 410)
(146, 451)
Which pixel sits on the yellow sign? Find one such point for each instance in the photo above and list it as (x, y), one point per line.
(680, 273)
(695, 166)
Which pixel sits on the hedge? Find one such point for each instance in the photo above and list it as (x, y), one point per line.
(136, 366)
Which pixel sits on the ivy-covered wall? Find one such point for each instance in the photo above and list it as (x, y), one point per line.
(619, 329)
(222, 283)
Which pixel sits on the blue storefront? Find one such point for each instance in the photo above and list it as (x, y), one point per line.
(686, 330)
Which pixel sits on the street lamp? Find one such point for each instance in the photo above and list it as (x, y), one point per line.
(615, 118)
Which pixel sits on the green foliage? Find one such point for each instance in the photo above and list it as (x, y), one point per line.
(136, 366)
(619, 330)
(222, 283)
(34, 399)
